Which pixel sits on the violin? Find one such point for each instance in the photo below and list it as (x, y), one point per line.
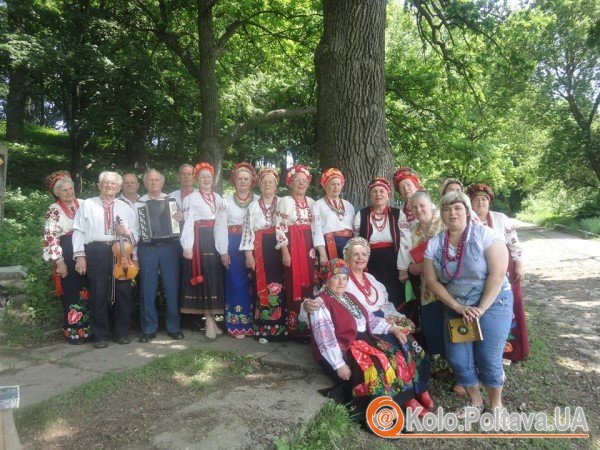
(124, 268)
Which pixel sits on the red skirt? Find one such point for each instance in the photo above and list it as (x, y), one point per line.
(517, 344)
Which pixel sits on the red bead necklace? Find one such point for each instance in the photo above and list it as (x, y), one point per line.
(365, 288)
(380, 220)
(269, 212)
(210, 200)
(460, 250)
(69, 210)
(340, 211)
(302, 206)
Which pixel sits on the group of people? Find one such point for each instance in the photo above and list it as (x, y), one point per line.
(373, 287)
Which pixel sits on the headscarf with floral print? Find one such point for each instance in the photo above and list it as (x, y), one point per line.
(203, 166)
(298, 168)
(476, 189)
(54, 178)
(268, 171)
(381, 182)
(243, 167)
(333, 267)
(404, 173)
(354, 242)
(330, 174)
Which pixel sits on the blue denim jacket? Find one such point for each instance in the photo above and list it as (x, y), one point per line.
(468, 286)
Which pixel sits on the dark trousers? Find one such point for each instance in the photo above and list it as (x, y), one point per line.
(99, 270)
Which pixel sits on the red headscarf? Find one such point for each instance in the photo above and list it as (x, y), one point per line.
(243, 166)
(203, 166)
(331, 173)
(294, 170)
(404, 173)
(381, 182)
(478, 189)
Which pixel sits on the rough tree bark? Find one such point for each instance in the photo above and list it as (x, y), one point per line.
(350, 66)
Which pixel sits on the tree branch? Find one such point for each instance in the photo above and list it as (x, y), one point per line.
(271, 116)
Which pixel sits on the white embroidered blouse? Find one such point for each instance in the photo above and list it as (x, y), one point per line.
(326, 220)
(257, 219)
(505, 226)
(57, 224)
(290, 213)
(196, 208)
(229, 213)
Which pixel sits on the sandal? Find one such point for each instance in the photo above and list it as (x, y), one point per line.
(462, 411)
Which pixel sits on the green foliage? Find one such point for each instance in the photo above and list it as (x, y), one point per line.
(331, 428)
(21, 234)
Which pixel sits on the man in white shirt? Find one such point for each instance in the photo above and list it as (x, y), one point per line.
(186, 186)
(158, 255)
(130, 188)
(99, 223)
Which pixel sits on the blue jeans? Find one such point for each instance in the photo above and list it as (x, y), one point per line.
(165, 257)
(481, 362)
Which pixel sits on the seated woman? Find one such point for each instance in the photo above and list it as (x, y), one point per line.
(465, 267)
(347, 345)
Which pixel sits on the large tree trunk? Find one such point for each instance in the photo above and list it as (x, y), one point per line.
(350, 66)
(15, 105)
(210, 148)
(77, 145)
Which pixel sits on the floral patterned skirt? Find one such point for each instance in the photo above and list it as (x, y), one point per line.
(76, 318)
(269, 311)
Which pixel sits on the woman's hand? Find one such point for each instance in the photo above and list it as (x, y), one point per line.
(188, 254)
(403, 276)
(225, 260)
(396, 331)
(286, 258)
(519, 272)
(61, 268)
(344, 372)
(250, 263)
(470, 313)
(311, 305)
(80, 265)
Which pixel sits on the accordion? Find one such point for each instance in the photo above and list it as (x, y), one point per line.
(156, 221)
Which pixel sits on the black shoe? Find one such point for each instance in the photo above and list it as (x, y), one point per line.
(100, 344)
(122, 340)
(145, 338)
(176, 336)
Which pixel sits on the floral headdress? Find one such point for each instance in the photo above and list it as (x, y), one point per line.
(294, 170)
(331, 173)
(406, 172)
(203, 166)
(381, 182)
(449, 181)
(54, 177)
(244, 167)
(354, 242)
(333, 267)
(476, 189)
(268, 171)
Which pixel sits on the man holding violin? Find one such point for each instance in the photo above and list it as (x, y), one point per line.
(104, 233)
(162, 255)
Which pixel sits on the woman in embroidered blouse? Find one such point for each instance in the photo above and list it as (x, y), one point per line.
(258, 243)
(428, 224)
(228, 236)
(380, 225)
(69, 285)
(294, 238)
(465, 267)
(348, 347)
(517, 346)
(202, 280)
(332, 217)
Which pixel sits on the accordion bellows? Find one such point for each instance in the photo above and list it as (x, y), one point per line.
(156, 220)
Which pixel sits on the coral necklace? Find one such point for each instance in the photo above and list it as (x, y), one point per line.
(364, 287)
(460, 251)
(69, 210)
(242, 203)
(380, 220)
(209, 199)
(268, 212)
(333, 205)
